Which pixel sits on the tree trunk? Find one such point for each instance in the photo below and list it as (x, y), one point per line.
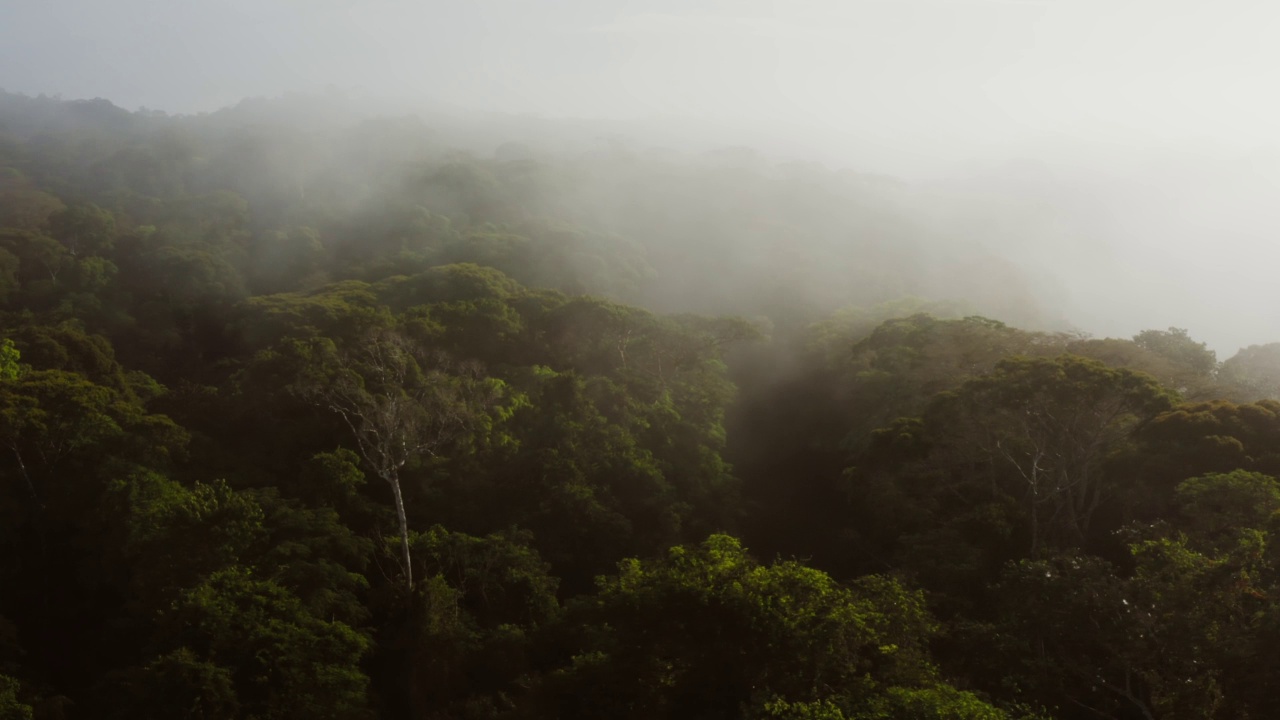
(394, 480)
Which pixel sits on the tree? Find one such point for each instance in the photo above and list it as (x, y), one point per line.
(175, 537)
(905, 362)
(1177, 346)
(400, 403)
(1217, 507)
(1043, 429)
(178, 685)
(281, 660)
(285, 260)
(1217, 436)
(1254, 372)
(63, 442)
(467, 643)
(10, 367)
(1188, 381)
(709, 633)
(84, 230)
(11, 708)
(40, 262)
(22, 205)
(1184, 631)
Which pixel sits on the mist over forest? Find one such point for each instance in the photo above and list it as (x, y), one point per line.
(507, 361)
(1103, 246)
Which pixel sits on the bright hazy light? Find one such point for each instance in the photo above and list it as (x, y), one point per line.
(1150, 124)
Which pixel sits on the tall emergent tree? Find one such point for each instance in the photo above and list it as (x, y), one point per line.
(400, 402)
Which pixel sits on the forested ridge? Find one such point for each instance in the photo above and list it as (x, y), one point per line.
(307, 414)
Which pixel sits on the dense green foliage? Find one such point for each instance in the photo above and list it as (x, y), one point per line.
(303, 418)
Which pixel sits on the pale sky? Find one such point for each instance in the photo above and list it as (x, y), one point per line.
(1122, 93)
(952, 69)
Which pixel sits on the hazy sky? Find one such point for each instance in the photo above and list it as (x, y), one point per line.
(907, 86)
(948, 70)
